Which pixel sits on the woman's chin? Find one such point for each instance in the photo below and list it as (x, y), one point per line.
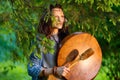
(58, 27)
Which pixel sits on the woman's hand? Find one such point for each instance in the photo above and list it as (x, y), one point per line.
(61, 71)
(57, 71)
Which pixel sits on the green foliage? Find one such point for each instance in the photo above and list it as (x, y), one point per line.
(41, 44)
(110, 67)
(8, 46)
(47, 45)
(13, 71)
(113, 70)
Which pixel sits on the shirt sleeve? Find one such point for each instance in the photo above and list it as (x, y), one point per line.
(34, 66)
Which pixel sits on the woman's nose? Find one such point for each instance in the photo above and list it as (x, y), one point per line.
(60, 19)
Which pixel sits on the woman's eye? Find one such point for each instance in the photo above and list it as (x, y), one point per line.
(56, 17)
(62, 16)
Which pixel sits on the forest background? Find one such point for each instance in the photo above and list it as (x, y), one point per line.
(18, 27)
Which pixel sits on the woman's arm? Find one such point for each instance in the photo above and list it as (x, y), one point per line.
(34, 66)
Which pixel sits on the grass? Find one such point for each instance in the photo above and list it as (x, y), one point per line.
(13, 71)
(18, 71)
(102, 74)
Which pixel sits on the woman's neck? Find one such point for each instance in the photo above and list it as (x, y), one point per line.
(55, 31)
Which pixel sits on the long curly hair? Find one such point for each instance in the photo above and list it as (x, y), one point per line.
(46, 23)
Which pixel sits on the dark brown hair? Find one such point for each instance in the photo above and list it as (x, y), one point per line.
(45, 24)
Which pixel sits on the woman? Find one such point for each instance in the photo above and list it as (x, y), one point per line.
(54, 28)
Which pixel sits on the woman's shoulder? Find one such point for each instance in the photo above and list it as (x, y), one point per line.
(39, 36)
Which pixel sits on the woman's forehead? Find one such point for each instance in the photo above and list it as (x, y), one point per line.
(55, 10)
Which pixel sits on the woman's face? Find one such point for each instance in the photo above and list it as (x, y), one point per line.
(57, 18)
